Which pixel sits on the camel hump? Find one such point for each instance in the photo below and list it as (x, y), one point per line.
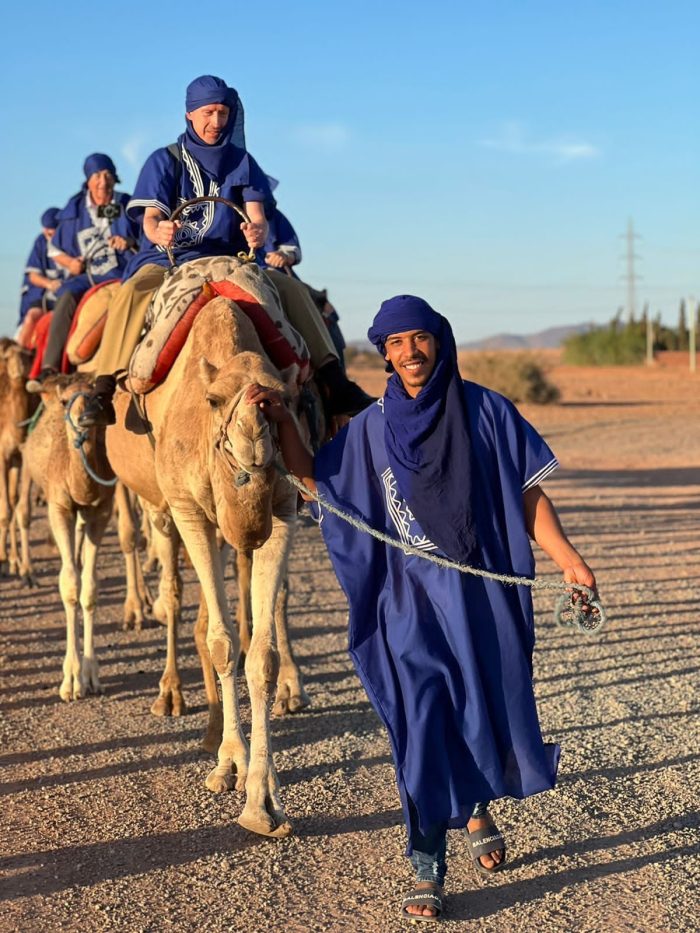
(183, 295)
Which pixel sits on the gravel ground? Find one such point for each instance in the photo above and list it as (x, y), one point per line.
(107, 823)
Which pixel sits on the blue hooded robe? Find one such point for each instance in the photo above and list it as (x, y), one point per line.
(445, 657)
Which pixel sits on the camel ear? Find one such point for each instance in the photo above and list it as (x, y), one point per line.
(290, 377)
(207, 371)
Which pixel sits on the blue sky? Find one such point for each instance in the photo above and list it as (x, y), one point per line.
(485, 155)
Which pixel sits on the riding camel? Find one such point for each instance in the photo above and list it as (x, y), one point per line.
(201, 458)
(16, 406)
(71, 468)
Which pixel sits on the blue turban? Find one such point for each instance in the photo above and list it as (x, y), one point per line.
(427, 437)
(223, 156)
(99, 162)
(209, 90)
(50, 218)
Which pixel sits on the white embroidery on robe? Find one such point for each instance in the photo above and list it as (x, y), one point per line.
(402, 517)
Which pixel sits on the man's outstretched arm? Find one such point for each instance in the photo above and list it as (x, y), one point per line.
(296, 457)
(543, 526)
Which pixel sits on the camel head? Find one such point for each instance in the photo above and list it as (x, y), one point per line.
(240, 431)
(15, 360)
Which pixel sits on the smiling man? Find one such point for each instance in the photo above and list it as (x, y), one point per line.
(450, 468)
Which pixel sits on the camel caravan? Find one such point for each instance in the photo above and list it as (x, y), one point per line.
(126, 395)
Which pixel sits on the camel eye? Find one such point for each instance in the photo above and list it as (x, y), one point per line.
(214, 401)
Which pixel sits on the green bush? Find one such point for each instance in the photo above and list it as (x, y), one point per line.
(606, 346)
(521, 377)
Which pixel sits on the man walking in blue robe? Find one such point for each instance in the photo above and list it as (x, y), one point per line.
(451, 468)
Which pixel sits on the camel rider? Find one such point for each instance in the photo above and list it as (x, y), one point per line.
(92, 243)
(282, 249)
(281, 252)
(210, 158)
(42, 279)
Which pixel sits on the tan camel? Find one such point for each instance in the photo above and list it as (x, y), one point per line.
(16, 406)
(53, 462)
(213, 467)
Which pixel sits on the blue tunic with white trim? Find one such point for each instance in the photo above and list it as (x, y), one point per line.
(208, 229)
(39, 261)
(445, 657)
(82, 232)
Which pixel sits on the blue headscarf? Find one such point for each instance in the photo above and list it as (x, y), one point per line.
(427, 437)
(99, 162)
(221, 157)
(50, 218)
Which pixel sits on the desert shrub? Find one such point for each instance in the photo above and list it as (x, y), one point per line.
(521, 377)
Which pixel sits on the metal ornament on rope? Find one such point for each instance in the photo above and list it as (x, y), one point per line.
(80, 438)
(243, 256)
(577, 596)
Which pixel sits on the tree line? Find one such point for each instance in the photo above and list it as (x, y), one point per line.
(625, 342)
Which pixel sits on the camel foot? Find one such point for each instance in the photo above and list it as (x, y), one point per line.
(220, 783)
(90, 678)
(4, 568)
(71, 689)
(256, 820)
(212, 738)
(291, 698)
(28, 579)
(170, 703)
(14, 568)
(133, 613)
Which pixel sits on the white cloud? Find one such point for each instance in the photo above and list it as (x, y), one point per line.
(132, 150)
(513, 138)
(331, 137)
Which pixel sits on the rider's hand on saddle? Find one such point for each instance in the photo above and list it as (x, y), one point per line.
(165, 232)
(278, 260)
(54, 285)
(76, 265)
(254, 235)
(269, 401)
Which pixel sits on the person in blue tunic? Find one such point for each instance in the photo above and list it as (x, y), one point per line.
(450, 468)
(42, 278)
(209, 159)
(282, 252)
(93, 240)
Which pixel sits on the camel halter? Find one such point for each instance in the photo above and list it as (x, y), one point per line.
(222, 445)
(79, 440)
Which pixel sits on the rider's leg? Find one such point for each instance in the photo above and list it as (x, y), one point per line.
(61, 321)
(125, 319)
(344, 396)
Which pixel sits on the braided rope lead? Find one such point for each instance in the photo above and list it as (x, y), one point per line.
(80, 438)
(570, 608)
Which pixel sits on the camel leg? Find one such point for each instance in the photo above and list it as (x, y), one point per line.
(24, 517)
(134, 603)
(96, 521)
(62, 522)
(147, 535)
(4, 516)
(263, 812)
(170, 700)
(291, 696)
(13, 486)
(244, 566)
(212, 737)
(199, 537)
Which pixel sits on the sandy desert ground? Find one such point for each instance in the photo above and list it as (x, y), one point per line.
(107, 823)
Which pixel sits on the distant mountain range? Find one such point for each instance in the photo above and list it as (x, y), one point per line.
(543, 339)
